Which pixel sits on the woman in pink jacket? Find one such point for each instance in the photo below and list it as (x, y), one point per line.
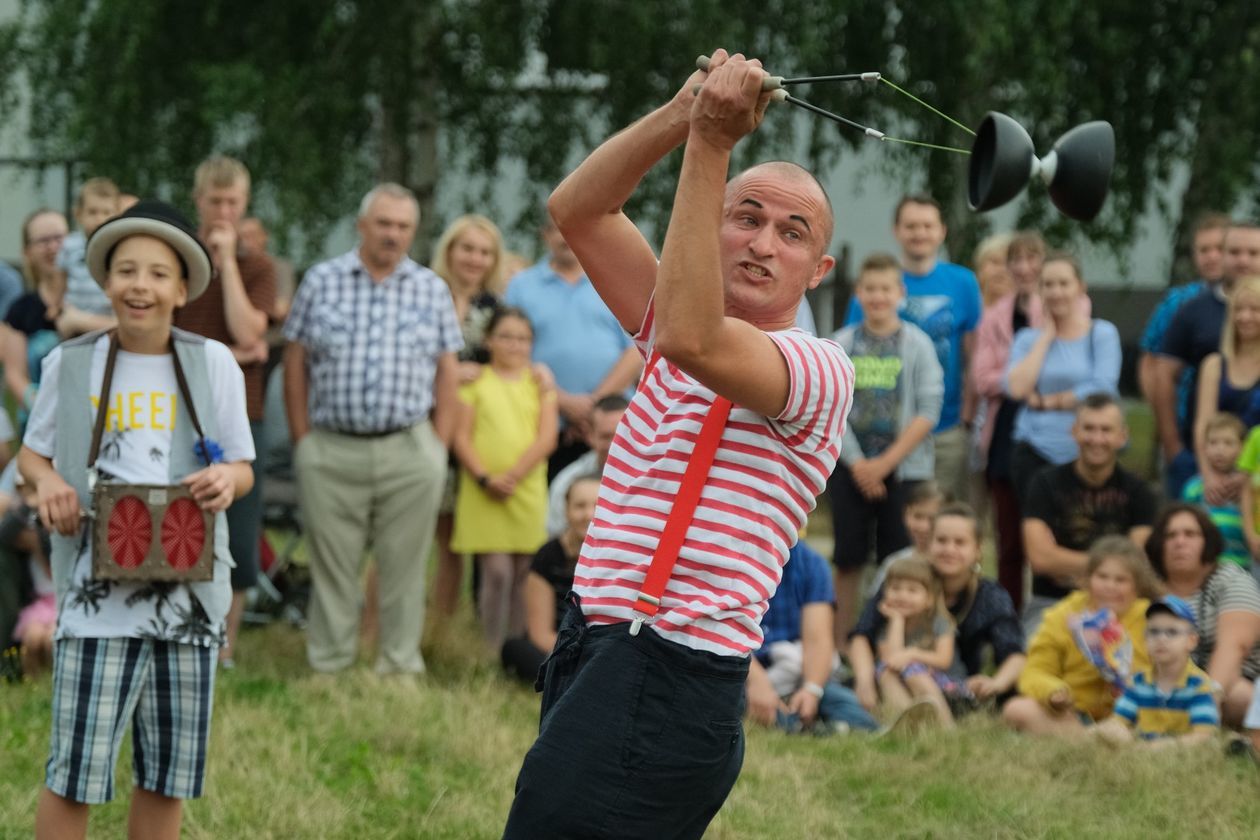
(1007, 316)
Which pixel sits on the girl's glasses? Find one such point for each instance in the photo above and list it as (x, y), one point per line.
(1164, 632)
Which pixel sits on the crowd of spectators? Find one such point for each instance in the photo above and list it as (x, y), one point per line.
(468, 410)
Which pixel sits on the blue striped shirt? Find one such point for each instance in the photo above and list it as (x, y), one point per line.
(372, 347)
(1156, 714)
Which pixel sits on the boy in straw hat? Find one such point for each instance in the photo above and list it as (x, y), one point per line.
(135, 654)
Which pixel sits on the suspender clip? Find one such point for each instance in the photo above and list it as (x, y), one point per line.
(651, 603)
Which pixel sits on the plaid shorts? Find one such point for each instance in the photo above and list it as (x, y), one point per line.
(164, 690)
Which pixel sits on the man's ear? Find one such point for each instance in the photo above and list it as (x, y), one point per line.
(825, 264)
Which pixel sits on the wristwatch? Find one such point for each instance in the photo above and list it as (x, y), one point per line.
(814, 689)
(482, 481)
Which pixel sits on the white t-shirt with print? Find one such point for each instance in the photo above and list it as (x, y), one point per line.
(135, 449)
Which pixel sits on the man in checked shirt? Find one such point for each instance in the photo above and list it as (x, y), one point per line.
(641, 731)
(370, 381)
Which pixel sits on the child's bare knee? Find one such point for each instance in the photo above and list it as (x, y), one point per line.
(1020, 711)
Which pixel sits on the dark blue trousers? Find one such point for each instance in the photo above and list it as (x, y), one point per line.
(640, 737)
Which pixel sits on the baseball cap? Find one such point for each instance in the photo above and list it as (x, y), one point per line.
(1173, 606)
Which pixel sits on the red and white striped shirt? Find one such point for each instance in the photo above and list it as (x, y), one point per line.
(765, 479)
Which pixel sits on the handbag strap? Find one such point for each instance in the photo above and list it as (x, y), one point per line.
(648, 601)
(98, 429)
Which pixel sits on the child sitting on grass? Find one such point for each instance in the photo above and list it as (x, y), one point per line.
(1088, 645)
(923, 502)
(135, 655)
(916, 647)
(1222, 444)
(1172, 703)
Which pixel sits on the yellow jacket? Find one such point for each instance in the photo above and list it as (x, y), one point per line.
(1055, 662)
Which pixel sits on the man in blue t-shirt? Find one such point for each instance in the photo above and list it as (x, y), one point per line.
(577, 337)
(1171, 399)
(790, 678)
(943, 300)
(1194, 334)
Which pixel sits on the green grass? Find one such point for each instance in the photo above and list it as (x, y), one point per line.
(300, 756)
(297, 756)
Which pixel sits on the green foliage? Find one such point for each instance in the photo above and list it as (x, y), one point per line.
(321, 97)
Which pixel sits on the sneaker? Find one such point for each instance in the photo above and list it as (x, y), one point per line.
(919, 716)
(11, 665)
(1239, 746)
(826, 728)
(961, 705)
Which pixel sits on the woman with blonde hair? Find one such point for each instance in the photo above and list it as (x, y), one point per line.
(1229, 380)
(469, 256)
(989, 261)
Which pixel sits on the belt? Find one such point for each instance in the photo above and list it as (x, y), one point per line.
(358, 434)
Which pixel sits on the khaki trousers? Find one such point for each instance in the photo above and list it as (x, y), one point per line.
(358, 492)
(953, 476)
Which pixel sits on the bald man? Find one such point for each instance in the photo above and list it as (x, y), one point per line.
(643, 696)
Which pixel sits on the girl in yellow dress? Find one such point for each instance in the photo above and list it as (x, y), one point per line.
(506, 428)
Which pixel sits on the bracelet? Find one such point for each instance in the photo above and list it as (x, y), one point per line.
(483, 480)
(814, 689)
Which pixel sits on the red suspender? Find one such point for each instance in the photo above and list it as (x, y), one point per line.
(683, 511)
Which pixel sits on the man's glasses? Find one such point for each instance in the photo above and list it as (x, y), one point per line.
(1164, 632)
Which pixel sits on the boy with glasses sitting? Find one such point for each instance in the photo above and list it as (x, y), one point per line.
(1172, 703)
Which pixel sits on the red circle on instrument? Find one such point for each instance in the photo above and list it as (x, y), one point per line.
(129, 532)
(183, 533)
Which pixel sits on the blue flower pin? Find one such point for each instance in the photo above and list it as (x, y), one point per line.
(208, 450)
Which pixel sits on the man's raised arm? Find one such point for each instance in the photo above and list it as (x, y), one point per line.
(734, 357)
(587, 207)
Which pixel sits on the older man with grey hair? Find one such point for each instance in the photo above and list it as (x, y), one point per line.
(370, 390)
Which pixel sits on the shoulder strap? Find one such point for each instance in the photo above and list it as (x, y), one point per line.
(102, 409)
(681, 514)
(186, 394)
(98, 429)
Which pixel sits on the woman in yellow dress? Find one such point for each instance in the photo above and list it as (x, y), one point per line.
(506, 428)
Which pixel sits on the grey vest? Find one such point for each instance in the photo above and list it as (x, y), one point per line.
(74, 439)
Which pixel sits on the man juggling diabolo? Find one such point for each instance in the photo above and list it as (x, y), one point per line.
(728, 440)
(731, 434)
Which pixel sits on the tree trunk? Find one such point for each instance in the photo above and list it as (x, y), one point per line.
(410, 122)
